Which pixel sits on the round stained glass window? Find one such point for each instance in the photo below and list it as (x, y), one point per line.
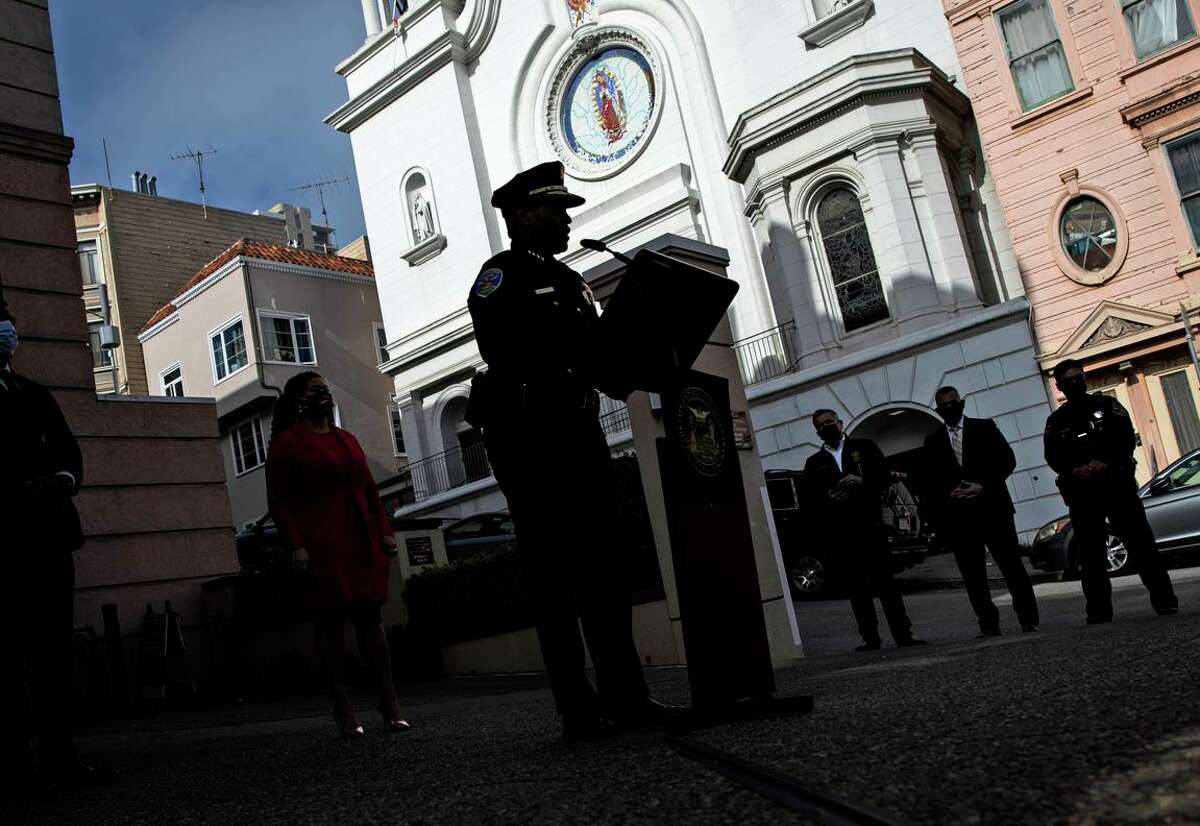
(1088, 233)
(604, 103)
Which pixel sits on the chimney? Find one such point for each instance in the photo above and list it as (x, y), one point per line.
(144, 183)
(298, 223)
(306, 233)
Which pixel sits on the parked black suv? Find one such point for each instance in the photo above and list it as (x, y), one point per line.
(815, 571)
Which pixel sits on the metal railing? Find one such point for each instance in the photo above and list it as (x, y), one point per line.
(448, 470)
(615, 421)
(766, 355)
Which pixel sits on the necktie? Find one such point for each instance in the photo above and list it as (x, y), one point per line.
(956, 442)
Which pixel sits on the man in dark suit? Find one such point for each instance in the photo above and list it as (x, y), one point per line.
(847, 478)
(967, 462)
(40, 472)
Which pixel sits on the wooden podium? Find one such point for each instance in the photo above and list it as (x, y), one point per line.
(654, 327)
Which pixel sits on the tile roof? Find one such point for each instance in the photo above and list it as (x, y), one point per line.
(267, 252)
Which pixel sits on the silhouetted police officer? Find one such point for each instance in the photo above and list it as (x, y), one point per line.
(536, 326)
(1089, 444)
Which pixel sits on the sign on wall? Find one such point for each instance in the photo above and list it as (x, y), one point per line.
(420, 550)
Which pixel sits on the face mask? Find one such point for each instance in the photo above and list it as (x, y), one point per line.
(1074, 387)
(316, 399)
(8, 340)
(951, 412)
(830, 434)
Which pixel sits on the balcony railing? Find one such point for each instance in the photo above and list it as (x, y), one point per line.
(448, 470)
(456, 467)
(766, 355)
(615, 421)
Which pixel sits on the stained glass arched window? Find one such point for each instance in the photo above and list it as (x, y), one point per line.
(851, 260)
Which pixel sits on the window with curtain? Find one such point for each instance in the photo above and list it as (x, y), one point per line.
(1185, 163)
(1155, 25)
(851, 259)
(288, 340)
(1035, 52)
(89, 262)
(1182, 407)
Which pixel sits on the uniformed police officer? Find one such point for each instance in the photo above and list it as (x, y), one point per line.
(1089, 444)
(536, 326)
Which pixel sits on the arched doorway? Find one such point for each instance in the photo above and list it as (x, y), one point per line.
(900, 433)
(462, 444)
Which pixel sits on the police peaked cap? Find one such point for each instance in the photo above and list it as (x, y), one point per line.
(544, 182)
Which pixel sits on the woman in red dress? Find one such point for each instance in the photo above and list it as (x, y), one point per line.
(325, 503)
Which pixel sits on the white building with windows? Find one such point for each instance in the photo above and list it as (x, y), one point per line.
(827, 145)
(253, 317)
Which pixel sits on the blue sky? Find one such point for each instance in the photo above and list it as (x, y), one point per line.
(252, 78)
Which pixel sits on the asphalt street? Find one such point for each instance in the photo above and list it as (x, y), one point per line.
(1072, 724)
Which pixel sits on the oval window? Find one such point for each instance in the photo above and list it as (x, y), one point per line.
(1088, 233)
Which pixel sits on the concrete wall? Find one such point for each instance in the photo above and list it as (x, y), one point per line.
(153, 502)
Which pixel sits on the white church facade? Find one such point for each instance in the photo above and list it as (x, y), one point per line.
(827, 146)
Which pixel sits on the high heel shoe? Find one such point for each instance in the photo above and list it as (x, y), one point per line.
(348, 727)
(396, 724)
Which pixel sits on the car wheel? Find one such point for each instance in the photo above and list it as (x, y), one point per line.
(1118, 556)
(808, 577)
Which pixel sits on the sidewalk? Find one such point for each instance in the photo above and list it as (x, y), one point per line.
(1075, 724)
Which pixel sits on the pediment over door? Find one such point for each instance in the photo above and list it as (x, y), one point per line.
(1109, 323)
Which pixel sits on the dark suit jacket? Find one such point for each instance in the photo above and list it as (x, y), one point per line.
(35, 441)
(987, 460)
(862, 512)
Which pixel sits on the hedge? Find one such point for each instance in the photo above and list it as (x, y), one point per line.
(479, 596)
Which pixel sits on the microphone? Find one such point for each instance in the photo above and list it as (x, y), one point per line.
(600, 246)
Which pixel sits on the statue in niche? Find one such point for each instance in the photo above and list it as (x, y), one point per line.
(422, 218)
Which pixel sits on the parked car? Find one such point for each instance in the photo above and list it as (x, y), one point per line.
(815, 571)
(479, 532)
(1172, 501)
(259, 547)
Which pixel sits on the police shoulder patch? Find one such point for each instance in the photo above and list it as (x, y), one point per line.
(488, 282)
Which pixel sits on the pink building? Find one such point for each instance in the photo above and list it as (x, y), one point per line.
(1089, 113)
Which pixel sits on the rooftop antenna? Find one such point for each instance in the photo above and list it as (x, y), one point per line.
(320, 186)
(197, 156)
(107, 168)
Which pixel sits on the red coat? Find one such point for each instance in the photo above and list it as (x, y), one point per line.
(324, 500)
